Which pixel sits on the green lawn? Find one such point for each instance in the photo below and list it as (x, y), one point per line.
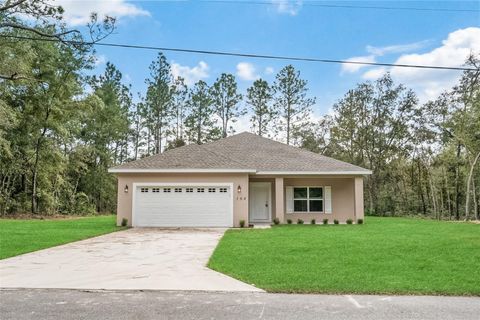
(22, 236)
(383, 256)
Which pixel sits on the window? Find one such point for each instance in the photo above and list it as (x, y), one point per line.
(211, 189)
(188, 189)
(143, 189)
(178, 189)
(223, 190)
(200, 190)
(156, 190)
(308, 199)
(166, 190)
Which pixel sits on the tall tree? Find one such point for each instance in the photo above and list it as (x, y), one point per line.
(200, 125)
(372, 127)
(291, 101)
(40, 18)
(138, 132)
(179, 109)
(259, 97)
(159, 100)
(113, 119)
(106, 131)
(225, 99)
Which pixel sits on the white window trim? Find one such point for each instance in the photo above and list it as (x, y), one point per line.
(308, 199)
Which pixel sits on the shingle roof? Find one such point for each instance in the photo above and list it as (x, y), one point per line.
(243, 152)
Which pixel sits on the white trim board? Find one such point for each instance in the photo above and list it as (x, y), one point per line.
(252, 171)
(301, 173)
(113, 170)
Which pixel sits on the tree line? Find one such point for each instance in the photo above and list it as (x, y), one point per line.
(60, 130)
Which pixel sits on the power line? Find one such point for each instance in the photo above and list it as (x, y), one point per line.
(243, 55)
(345, 6)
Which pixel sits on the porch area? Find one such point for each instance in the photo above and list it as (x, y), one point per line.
(304, 197)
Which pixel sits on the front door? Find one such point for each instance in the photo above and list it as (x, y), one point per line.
(260, 201)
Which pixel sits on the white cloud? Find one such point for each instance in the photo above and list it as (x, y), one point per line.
(374, 73)
(191, 75)
(288, 7)
(397, 48)
(99, 60)
(242, 124)
(375, 52)
(269, 70)
(349, 67)
(77, 12)
(429, 83)
(246, 71)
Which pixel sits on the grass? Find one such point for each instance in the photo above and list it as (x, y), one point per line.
(383, 256)
(22, 236)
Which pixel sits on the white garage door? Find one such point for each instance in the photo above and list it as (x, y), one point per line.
(183, 206)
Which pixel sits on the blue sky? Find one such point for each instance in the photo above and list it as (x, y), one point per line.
(296, 28)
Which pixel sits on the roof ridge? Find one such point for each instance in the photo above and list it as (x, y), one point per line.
(303, 150)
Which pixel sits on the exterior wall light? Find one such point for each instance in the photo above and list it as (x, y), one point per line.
(239, 189)
(125, 189)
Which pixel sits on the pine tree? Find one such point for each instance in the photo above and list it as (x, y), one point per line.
(259, 97)
(291, 101)
(225, 99)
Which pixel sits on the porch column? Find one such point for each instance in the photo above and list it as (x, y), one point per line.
(279, 199)
(358, 185)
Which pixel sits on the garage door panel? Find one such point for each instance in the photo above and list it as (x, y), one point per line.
(183, 209)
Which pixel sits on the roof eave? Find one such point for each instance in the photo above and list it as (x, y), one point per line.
(189, 170)
(358, 172)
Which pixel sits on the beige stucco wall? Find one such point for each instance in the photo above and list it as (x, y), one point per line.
(343, 198)
(347, 193)
(240, 200)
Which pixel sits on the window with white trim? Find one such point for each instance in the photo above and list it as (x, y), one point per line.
(211, 189)
(223, 190)
(178, 190)
(308, 199)
(144, 190)
(200, 190)
(156, 190)
(167, 190)
(188, 190)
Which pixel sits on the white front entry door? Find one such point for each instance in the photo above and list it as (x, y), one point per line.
(260, 202)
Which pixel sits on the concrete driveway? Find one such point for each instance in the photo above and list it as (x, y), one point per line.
(136, 259)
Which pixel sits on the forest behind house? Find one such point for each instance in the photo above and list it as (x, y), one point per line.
(60, 130)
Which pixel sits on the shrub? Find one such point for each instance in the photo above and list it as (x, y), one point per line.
(313, 221)
(335, 221)
(276, 221)
(289, 221)
(124, 222)
(360, 221)
(299, 221)
(349, 221)
(242, 223)
(325, 221)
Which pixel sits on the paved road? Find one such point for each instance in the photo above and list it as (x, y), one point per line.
(21, 304)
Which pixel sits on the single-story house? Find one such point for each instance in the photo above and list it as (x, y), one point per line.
(241, 177)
